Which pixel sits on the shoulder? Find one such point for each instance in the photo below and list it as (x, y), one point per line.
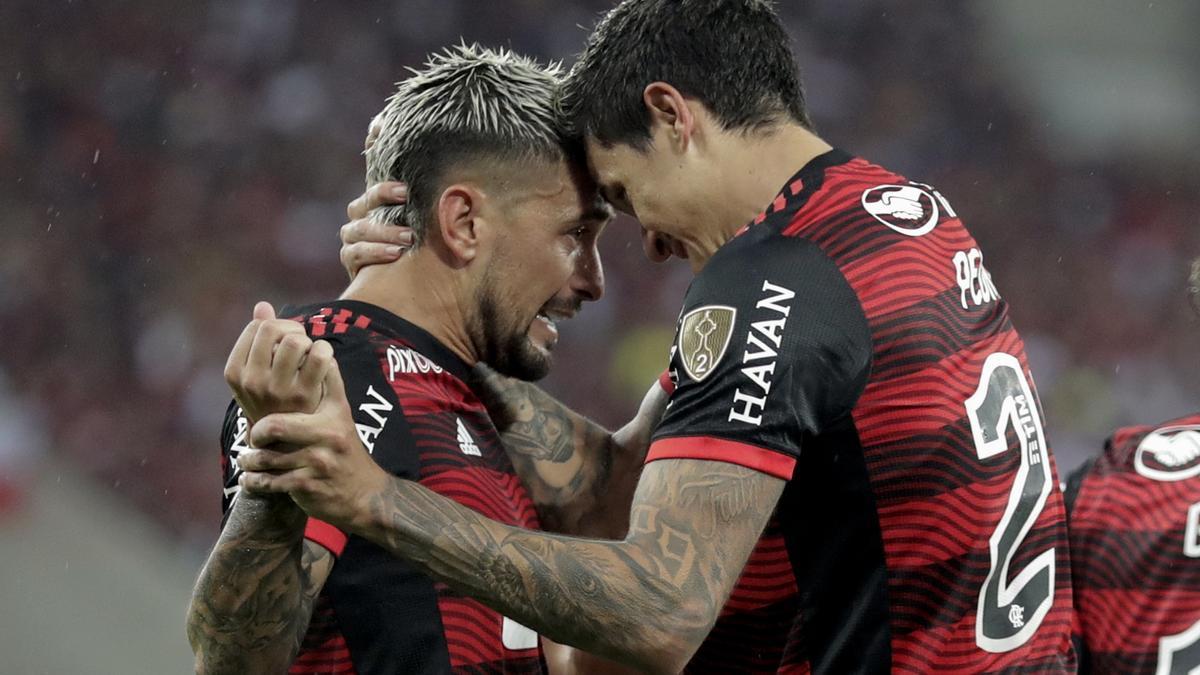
(762, 256)
(763, 275)
(860, 210)
(772, 320)
(330, 321)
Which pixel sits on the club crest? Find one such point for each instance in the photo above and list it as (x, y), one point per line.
(1169, 454)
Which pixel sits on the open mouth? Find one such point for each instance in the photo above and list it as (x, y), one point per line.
(544, 327)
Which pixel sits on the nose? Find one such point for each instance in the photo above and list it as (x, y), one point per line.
(588, 279)
(654, 246)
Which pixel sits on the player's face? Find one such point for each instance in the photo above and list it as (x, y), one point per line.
(664, 191)
(542, 270)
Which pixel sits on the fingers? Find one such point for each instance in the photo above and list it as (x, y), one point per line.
(241, 352)
(318, 428)
(312, 372)
(272, 461)
(357, 256)
(266, 483)
(292, 428)
(263, 311)
(335, 388)
(365, 230)
(381, 194)
(270, 333)
(285, 367)
(373, 131)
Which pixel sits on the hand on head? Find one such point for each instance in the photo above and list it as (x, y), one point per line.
(369, 243)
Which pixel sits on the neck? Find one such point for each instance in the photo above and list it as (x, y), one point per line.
(753, 170)
(421, 290)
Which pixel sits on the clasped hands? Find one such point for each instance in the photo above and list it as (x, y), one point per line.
(302, 436)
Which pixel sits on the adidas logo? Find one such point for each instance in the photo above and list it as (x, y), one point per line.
(465, 442)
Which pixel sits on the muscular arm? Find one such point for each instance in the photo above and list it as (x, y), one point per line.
(580, 475)
(254, 597)
(648, 601)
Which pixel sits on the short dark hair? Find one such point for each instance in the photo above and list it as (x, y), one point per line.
(734, 56)
(467, 104)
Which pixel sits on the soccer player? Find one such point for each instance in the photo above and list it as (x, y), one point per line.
(1135, 547)
(505, 220)
(854, 453)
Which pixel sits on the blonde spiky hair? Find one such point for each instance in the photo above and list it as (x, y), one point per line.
(467, 103)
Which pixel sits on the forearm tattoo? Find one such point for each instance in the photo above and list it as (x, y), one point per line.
(564, 459)
(693, 526)
(254, 598)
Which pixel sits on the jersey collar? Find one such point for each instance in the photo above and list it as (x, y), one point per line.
(796, 191)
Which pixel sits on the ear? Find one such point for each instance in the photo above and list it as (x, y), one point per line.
(669, 112)
(457, 212)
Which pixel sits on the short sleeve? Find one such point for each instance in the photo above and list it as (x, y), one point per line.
(771, 348)
(233, 442)
(378, 418)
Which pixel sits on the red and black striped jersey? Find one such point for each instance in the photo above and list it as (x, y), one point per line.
(851, 342)
(1135, 551)
(416, 414)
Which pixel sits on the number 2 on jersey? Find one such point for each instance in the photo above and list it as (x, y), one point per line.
(1009, 614)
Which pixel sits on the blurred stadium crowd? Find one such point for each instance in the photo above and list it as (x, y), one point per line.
(164, 165)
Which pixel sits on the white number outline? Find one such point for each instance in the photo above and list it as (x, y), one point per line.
(1191, 532)
(1171, 645)
(1008, 592)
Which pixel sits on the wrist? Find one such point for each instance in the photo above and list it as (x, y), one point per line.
(275, 511)
(369, 509)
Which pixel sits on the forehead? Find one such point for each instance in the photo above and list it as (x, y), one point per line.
(609, 164)
(570, 191)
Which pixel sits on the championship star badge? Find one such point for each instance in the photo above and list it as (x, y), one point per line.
(704, 336)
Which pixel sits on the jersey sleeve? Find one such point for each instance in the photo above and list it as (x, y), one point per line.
(233, 442)
(772, 347)
(378, 418)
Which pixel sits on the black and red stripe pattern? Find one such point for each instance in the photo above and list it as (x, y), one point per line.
(923, 529)
(1135, 542)
(421, 421)
(323, 650)
(937, 502)
(752, 633)
(487, 484)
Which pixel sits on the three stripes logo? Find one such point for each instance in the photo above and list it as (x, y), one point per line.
(465, 442)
